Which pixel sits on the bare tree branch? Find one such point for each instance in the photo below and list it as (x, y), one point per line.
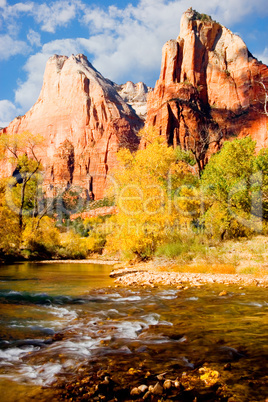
(200, 145)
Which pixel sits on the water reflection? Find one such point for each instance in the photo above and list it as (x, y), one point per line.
(62, 318)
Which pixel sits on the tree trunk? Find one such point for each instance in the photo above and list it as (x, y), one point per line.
(22, 198)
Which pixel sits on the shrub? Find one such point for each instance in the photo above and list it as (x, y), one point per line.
(72, 246)
(186, 247)
(42, 238)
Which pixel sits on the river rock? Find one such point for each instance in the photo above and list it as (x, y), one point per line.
(157, 389)
(161, 376)
(167, 384)
(143, 388)
(83, 120)
(135, 391)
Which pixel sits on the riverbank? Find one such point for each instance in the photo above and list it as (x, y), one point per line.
(240, 262)
(142, 276)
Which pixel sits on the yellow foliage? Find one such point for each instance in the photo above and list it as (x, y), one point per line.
(73, 246)
(9, 230)
(220, 223)
(45, 234)
(19, 143)
(149, 183)
(149, 135)
(188, 203)
(9, 224)
(95, 243)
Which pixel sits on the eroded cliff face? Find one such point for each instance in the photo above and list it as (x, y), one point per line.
(84, 122)
(135, 95)
(209, 83)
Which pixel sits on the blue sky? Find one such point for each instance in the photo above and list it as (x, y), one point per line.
(122, 39)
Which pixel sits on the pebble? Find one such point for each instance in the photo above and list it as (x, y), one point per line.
(167, 384)
(228, 367)
(148, 393)
(161, 376)
(157, 389)
(129, 278)
(143, 388)
(135, 391)
(177, 384)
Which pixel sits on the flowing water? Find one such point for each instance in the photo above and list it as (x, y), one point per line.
(57, 319)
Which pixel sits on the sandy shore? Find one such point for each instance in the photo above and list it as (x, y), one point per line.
(151, 277)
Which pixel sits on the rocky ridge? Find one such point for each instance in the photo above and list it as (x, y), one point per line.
(209, 83)
(135, 95)
(84, 122)
(210, 89)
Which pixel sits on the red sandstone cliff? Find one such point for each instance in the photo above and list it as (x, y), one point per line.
(209, 82)
(84, 122)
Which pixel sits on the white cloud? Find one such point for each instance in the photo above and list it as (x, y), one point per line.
(28, 91)
(56, 14)
(129, 41)
(8, 112)
(10, 16)
(62, 46)
(11, 12)
(34, 38)
(10, 47)
(3, 3)
(263, 56)
(123, 44)
(229, 12)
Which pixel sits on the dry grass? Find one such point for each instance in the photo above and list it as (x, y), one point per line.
(244, 256)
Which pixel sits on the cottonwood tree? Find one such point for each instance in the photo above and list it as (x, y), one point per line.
(235, 182)
(20, 150)
(154, 188)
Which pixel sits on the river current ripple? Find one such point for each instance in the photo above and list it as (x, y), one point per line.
(50, 329)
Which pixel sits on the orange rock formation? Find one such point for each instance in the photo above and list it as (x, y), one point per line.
(84, 122)
(209, 82)
(210, 89)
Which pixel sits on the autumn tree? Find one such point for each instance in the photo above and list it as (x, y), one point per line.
(20, 151)
(150, 183)
(9, 225)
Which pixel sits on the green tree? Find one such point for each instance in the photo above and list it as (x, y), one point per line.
(261, 171)
(232, 186)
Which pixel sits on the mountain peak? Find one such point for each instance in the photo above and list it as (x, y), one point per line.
(191, 15)
(78, 111)
(208, 81)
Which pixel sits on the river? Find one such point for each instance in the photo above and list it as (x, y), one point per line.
(60, 319)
